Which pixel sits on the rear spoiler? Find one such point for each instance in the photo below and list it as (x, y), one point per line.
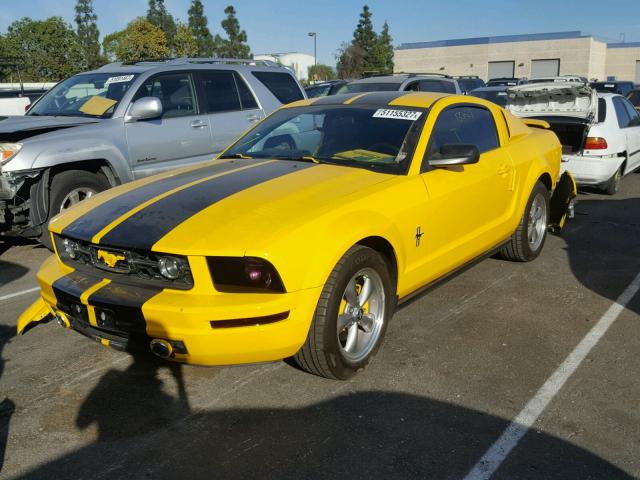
(529, 122)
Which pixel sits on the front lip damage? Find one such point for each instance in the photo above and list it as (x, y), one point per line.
(562, 202)
(38, 312)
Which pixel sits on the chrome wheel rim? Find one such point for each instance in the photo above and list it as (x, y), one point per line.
(361, 315)
(537, 222)
(76, 196)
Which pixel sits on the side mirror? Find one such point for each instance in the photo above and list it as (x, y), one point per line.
(455, 154)
(144, 108)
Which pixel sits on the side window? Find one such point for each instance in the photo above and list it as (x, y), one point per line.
(634, 116)
(220, 91)
(412, 87)
(437, 86)
(621, 113)
(602, 110)
(175, 91)
(464, 125)
(247, 100)
(282, 85)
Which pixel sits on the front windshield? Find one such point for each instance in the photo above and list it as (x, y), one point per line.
(87, 95)
(498, 97)
(380, 139)
(370, 87)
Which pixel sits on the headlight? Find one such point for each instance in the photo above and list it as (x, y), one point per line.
(244, 275)
(71, 248)
(8, 151)
(171, 267)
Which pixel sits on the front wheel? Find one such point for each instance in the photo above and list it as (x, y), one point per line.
(351, 316)
(527, 241)
(69, 188)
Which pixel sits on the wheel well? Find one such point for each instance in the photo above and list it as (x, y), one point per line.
(382, 246)
(545, 178)
(94, 166)
(624, 163)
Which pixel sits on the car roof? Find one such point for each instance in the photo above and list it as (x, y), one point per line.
(401, 77)
(380, 99)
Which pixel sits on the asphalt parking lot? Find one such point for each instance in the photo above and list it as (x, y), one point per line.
(458, 365)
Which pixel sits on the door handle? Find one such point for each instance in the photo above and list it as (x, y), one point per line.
(198, 124)
(504, 169)
(253, 118)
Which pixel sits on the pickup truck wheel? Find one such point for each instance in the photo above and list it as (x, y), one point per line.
(351, 316)
(69, 188)
(613, 185)
(527, 241)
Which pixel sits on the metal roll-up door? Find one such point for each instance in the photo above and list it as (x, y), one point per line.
(501, 69)
(545, 68)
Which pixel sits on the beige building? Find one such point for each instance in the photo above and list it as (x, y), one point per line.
(530, 56)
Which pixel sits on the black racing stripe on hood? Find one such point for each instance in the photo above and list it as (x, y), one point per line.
(146, 227)
(85, 227)
(382, 99)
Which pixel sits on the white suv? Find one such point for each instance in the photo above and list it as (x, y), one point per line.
(599, 132)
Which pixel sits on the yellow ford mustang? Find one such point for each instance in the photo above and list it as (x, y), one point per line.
(301, 238)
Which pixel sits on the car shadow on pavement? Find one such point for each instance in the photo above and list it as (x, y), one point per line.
(10, 271)
(7, 406)
(144, 432)
(8, 242)
(603, 244)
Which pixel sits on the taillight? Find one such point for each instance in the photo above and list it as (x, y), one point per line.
(595, 143)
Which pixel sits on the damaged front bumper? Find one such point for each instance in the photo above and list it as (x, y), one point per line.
(562, 202)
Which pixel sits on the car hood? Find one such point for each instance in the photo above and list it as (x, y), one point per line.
(553, 99)
(20, 127)
(221, 208)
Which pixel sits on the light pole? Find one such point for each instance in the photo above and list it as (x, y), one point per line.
(315, 52)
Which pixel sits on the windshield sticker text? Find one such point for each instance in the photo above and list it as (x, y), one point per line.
(120, 79)
(397, 114)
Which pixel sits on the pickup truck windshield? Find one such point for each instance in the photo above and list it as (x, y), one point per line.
(87, 95)
(376, 138)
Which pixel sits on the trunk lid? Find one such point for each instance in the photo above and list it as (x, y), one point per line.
(575, 100)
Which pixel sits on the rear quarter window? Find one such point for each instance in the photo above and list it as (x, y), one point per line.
(281, 85)
(602, 110)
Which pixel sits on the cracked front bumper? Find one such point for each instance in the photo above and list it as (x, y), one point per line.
(209, 328)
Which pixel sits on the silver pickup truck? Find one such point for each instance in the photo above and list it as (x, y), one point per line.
(122, 122)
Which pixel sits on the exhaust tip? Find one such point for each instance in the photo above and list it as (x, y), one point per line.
(161, 348)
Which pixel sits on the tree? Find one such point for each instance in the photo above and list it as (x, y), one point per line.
(110, 45)
(88, 34)
(383, 52)
(185, 44)
(205, 45)
(49, 50)
(351, 61)
(365, 37)
(157, 14)
(141, 39)
(320, 72)
(234, 45)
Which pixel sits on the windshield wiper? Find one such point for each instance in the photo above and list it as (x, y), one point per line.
(237, 155)
(302, 158)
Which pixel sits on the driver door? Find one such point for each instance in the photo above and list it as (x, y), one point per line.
(469, 206)
(181, 136)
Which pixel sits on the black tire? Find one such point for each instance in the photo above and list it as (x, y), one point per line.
(62, 184)
(518, 248)
(321, 353)
(613, 185)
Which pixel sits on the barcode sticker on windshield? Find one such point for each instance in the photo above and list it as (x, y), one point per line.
(397, 114)
(120, 79)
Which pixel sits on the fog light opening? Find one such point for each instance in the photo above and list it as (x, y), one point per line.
(161, 348)
(62, 320)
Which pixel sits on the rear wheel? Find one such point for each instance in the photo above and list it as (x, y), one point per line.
(613, 185)
(69, 188)
(527, 241)
(351, 317)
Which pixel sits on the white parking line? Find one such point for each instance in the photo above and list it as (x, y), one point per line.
(17, 294)
(499, 451)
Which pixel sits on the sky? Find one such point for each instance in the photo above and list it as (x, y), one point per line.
(283, 25)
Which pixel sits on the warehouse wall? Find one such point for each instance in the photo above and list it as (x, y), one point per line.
(621, 63)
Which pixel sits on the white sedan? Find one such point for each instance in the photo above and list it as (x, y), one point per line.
(599, 132)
